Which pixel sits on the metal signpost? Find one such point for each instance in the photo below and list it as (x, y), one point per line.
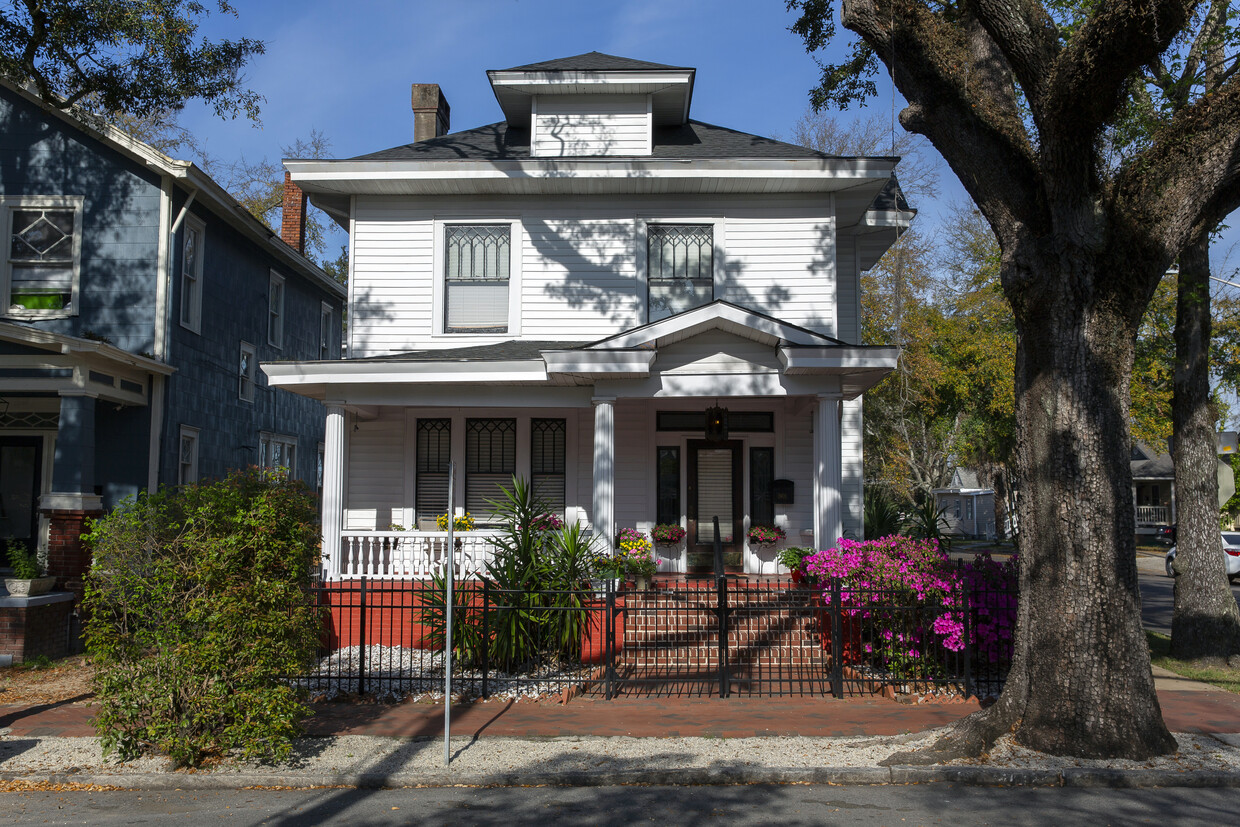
(447, 645)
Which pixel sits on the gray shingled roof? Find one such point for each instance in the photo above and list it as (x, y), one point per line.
(693, 140)
(499, 352)
(590, 62)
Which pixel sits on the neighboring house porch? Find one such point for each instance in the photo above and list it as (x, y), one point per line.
(611, 434)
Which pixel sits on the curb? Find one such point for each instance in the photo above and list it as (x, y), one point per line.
(698, 776)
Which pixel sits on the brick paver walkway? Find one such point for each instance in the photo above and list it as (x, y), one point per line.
(1184, 711)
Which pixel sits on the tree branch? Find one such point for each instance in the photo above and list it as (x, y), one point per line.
(960, 98)
(1025, 33)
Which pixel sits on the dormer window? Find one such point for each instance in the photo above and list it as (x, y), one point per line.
(680, 264)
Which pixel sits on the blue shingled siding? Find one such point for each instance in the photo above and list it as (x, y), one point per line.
(204, 391)
(41, 155)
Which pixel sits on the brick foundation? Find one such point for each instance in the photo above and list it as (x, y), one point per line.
(67, 558)
(32, 626)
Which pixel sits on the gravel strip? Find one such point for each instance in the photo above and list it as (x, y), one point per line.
(358, 755)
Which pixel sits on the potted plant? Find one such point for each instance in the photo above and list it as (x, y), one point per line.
(465, 522)
(667, 534)
(766, 535)
(642, 565)
(794, 560)
(25, 581)
(604, 567)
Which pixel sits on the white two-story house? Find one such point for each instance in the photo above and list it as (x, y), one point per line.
(568, 295)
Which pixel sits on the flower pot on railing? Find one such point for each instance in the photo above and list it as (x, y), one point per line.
(28, 586)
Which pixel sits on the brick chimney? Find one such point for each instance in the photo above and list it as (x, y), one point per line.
(430, 111)
(293, 228)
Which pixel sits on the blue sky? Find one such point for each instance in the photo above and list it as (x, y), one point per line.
(344, 68)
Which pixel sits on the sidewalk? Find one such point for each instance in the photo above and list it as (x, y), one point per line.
(1187, 706)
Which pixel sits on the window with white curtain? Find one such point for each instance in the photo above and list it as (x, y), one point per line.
(476, 273)
(433, 451)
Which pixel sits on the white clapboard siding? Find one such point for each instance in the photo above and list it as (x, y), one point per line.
(580, 268)
(798, 466)
(376, 481)
(853, 472)
(569, 125)
(848, 297)
(635, 458)
(582, 454)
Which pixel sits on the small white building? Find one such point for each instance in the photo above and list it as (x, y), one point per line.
(564, 294)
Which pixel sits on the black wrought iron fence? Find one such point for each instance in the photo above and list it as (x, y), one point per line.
(709, 636)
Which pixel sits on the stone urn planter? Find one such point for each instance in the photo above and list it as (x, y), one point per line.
(21, 587)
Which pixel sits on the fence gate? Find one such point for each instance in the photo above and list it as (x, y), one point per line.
(717, 637)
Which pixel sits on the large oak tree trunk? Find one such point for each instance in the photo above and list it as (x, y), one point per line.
(1206, 621)
(1080, 682)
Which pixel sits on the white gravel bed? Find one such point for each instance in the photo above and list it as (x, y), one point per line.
(366, 754)
(394, 673)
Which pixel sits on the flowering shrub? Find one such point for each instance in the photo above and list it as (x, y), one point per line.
(631, 539)
(547, 522)
(606, 566)
(881, 580)
(668, 534)
(766, 534)
(465, 522)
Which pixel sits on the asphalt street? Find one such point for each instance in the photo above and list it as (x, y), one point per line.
(688, 806)
(1157, 595)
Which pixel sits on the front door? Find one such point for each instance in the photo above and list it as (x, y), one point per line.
(21, 458)
(714, 484)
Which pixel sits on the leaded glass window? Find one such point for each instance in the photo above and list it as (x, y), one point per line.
(490, 462)
(680, 265)
(476, 271)
(433, 450)
(547, 462)
(41, 258)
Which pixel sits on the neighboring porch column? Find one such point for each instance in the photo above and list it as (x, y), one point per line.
(72, 500)
(828, 472)
(605, 471)
(333, 492)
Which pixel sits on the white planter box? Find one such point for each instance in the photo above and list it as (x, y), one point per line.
(28, 588)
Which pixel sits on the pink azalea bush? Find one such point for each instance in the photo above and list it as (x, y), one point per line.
(881, 579)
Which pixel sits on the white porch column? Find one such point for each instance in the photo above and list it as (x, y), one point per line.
(333, 491)
(605, 471)
(828, 472)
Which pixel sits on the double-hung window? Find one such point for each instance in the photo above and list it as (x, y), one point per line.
(247, 364)
(490, 462)
(191, 274)
(434, 450)
(44, 255)
(187, 466)
(477, 266)
(547, 463)
(275, 310)
(326, 336)
(680, 266)
(277, 451)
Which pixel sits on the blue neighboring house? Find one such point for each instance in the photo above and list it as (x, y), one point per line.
(136, 300)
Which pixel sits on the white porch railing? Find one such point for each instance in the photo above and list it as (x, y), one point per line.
(1157, 514)
(411, 555)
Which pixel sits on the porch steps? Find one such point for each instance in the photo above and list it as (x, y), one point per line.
(672, 636)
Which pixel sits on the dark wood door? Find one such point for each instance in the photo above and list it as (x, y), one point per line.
(714, 489)
(21, 460)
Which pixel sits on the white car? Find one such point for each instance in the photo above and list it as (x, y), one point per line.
(1231, 555)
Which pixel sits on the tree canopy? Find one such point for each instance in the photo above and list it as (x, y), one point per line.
(135, 56)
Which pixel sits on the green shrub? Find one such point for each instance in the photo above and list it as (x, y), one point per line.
(535, 580)
(881, 515)
(196, 608)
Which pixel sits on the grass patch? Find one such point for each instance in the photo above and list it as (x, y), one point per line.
(1160, 655)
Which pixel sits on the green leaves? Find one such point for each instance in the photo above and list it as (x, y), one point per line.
(196, 607)
(135, 56)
